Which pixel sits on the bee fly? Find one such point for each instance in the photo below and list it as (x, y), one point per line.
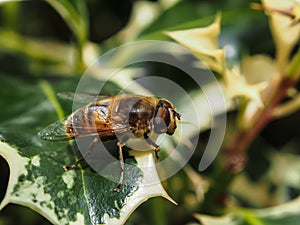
(116, 117)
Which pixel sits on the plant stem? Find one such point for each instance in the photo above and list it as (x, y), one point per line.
(234, 154)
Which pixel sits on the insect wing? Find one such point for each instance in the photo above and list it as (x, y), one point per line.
(96, 119)
(82, 97)
(54, 132)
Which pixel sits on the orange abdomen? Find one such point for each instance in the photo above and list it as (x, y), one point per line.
(93, 119)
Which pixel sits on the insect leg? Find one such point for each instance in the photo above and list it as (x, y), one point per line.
(157, 147)
(118, 187)
(90, 149)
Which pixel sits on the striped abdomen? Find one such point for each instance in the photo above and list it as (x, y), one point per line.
(93, 119)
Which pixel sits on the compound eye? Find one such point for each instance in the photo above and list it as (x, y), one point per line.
(159, 125)
(161, 120)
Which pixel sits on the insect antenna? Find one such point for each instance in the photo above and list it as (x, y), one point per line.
(184, 122)
(187, 122)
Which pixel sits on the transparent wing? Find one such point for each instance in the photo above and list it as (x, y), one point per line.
(83, 97)
(55, 132)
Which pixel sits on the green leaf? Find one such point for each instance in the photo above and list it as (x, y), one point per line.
(37, 179)
(193, 14)
(180, 16)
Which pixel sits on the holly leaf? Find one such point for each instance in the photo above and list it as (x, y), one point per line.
(37, 179)
(286, 34)
(203, 42)
(237, 86)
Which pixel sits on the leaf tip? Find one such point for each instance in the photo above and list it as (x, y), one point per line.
(166, 196)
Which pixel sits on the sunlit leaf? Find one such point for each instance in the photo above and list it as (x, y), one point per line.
(285, 33)
(258, 68)
(259, 71)
(237, 86)
(203, 42)
(296, 12)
